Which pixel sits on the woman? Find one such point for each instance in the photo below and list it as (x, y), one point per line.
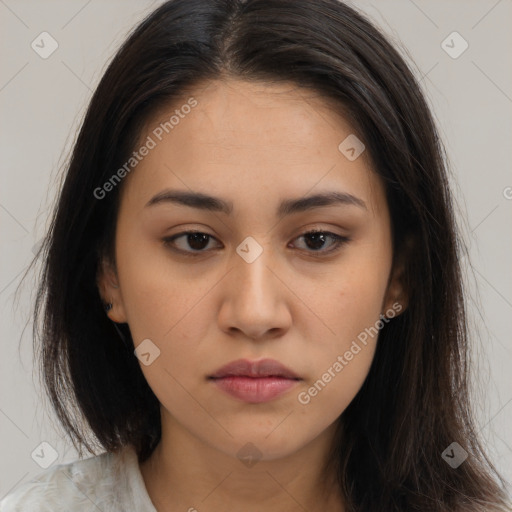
(252, 291)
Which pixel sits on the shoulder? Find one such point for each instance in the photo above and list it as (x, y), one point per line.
(76, 486)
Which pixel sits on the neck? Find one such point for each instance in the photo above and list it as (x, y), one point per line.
(185, 473)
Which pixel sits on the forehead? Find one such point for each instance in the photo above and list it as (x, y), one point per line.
(247, 140)
(233, 113)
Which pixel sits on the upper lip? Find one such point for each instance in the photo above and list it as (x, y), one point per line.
(261, 368)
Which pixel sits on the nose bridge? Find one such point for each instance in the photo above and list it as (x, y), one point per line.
(252, 273)
(252, 304)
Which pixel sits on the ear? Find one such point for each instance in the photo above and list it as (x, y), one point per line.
(110, 291)
(396, 298)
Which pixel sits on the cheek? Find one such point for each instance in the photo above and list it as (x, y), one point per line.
(350, 307)
(173, 316)
(162, 305)
(327, 397)
(157, 296)
(340, 364)
(352, 296)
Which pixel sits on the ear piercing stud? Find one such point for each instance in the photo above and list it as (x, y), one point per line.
(108, 306)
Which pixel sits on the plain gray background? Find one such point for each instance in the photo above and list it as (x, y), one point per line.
(42, 102)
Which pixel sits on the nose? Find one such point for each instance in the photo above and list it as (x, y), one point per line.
(255, 299)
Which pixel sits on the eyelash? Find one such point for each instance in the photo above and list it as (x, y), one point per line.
(339, 242)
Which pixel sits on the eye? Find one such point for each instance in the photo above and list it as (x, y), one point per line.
(316, 240)
(196, 240)
(193, 243)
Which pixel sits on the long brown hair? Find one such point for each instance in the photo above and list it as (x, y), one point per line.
(415, 401)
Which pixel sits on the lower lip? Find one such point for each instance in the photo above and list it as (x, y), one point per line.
(255, 390)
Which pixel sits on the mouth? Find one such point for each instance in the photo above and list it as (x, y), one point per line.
(254, 381)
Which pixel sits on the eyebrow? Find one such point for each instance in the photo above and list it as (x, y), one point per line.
(287, 207)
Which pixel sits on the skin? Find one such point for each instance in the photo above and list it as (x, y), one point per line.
(253, 144)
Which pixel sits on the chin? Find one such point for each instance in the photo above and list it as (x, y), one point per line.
(264, 444)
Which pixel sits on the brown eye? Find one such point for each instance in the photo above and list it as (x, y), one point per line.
(193, 243)
(315, 241)
(190, 242)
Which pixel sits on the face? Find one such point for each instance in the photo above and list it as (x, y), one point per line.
(253, 282)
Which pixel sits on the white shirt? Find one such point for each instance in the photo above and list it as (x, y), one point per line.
(103, 483)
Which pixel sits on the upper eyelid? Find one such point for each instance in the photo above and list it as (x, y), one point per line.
(307, 232)
(338, 239)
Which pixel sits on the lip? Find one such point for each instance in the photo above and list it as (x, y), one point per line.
(261, 368)
(254, 381)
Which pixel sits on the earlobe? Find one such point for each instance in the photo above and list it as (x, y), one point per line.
(110, 292)
(397, 296)
(396, 300)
